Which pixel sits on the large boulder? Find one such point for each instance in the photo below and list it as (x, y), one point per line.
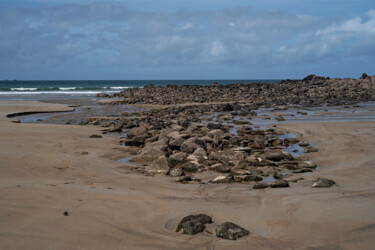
(230, 231)
(177, 159)
(134, 132)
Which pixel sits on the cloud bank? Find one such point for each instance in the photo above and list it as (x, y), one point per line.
(106, 40)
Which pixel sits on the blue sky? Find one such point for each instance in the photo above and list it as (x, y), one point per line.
(205, 39)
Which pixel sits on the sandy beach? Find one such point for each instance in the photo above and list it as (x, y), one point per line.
(48, 169)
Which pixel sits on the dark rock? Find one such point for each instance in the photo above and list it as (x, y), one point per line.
(280, 184)
(260, 185)
(251, 178)
(302, 170)
(189, 167)
(66, 213)
(192, 227)
(211, 125)
(274, 155)
(96, 136)
(310, 150)
(230, 231)
(323, 183)
(198, 219)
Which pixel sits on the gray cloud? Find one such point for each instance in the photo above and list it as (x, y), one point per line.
(109, 37)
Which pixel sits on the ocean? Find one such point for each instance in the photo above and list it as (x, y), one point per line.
(91, 88)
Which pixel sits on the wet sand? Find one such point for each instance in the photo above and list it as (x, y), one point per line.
(43, 173)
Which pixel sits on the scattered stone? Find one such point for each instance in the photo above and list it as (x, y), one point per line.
(193, 228)
(223, 179)
(280, 184)
(260, 185)
(323, 183)
(96, 136)
(304, 144)
(306, 164)
(230, 231)
(310, 150)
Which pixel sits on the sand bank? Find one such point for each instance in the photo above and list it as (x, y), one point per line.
(43, 173)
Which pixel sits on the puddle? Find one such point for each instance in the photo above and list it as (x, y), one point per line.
(126, 160)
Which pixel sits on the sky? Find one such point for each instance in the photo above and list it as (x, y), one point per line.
(176, 39)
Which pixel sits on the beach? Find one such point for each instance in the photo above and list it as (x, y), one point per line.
(49, 169)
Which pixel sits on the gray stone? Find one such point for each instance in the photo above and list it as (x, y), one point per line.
(198, 219)
(230, 231)
(323, 183)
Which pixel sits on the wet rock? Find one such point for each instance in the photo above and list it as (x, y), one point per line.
(260, 185)
(302, 170)
(96, 136)
(134, 132)
(192, 227)
(290, 141)
(310, 150)
(196, 219)
(66, 213)
(223, 179)
(251, 178)
(211, 125)
(323, 183)
(185, 179)
(304, 144)
(280, 184)
(230, 231)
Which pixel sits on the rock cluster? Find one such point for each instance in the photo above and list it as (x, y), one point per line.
(311, 91)
(194, 224)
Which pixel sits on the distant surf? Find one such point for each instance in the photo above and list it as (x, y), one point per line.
(94, 87)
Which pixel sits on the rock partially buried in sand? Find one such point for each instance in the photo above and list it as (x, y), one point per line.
(223, 179)
(193, 224)
(96, 136)
(280, 184)
(261, 185)
(323, 183)
(310, 150)
(230, 231)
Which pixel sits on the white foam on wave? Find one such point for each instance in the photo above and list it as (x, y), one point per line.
(23, 89)
(67, 88)
(119, 87)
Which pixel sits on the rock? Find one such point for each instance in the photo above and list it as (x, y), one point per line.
(323, 183)
(134, 132)
(306, 164)
(280, 184)
(230, 231)
(221, 168)
(302, 170)
(199, 155)
(260, 185)
(290, 141)
(177, 159)
(189, 145)
(175, 144)
(96, 136)
(66, 213)
(197, 219)
(252, 178)
(149, 153)
(223, 179)
(304, 144)
(274, 155)
(189, 167)
(192, 227)
(185, 179)
(211, 125)
(310, 150)
(176, 172)
(160, 166)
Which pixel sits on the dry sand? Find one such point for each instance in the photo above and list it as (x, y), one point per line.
(44, 173)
